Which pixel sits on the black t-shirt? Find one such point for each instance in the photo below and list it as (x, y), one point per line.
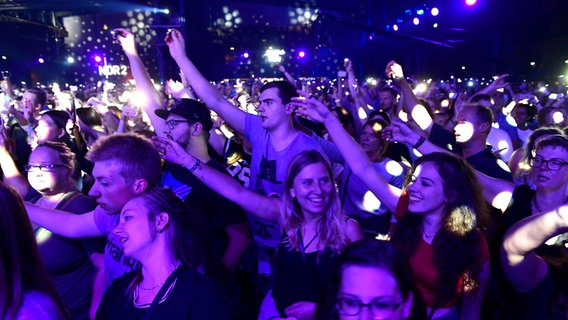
(193, 297)
(213, 209)
(485, 161)
(299, 277)
(68, 260)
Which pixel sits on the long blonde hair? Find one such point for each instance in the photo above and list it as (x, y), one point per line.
(333, 225)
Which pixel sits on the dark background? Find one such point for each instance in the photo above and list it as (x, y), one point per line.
(490, 37)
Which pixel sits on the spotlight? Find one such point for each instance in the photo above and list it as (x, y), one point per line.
(301, 54)
(420, 12)
(435, 25)
(246, 55)
(416, 21)
(166, 11)
(470, 2)
(40, 60)
(70, 59)
(395, 27)
(435, 11)
(98, 58)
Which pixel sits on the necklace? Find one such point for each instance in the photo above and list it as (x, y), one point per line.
(152, 288)
(310, 242)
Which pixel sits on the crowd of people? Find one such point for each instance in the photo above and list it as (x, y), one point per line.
(283, 198)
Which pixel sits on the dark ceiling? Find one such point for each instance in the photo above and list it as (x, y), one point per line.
(499, 34)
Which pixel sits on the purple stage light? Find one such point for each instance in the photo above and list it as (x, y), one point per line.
(470, 2)
(301, 54)
(416, 21)
(435, 12)
(40, 60)
(97, 58)
(246, 55)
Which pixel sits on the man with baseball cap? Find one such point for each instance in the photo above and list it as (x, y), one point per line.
(188, 123)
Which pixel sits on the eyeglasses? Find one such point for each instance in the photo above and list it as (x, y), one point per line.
(552, 164)
(172, 123)
(353, 307)
(42, 167)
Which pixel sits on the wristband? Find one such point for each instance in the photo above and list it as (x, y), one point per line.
(197, 163)
(419, 143)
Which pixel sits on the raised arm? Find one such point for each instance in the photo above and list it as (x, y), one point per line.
(143, 82)
(12, 175)
(522, 266)
(212, 98)
(359, 95)
(352, 152)
(259, 205)
(286, 74)
(64, 223)
(412, 105)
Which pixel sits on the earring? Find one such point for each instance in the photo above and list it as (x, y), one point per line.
(160, 230)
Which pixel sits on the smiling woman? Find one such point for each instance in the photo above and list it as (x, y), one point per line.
(315, 230)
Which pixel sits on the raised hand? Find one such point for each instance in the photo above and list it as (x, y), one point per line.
(176, 43)
(126, 40)
(175, 88)
(280, 68)
(311, 108)
(394, 70)
(399, 131)
(171, 151)
(498, 83)
(348, 65)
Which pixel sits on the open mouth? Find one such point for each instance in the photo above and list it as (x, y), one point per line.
(414, 199)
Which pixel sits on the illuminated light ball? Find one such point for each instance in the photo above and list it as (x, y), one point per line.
(435, 25)
(246, 55)
(395, 27)
(463, 67)
(470, 2)
(301, 54)
(394, 168)
(416, 21)
(533, 63)
(70, 59)
(98, 59)
(470, 83)
(420, 12)
(40, 60)
(435, 11)
(558, 117)
(167, 11)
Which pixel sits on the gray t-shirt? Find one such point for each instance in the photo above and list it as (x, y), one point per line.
(116, 263)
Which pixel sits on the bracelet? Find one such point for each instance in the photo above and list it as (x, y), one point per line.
(419, 143)
(197, 163)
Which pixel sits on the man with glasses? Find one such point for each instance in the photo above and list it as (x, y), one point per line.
(188, 123)
(272, 133)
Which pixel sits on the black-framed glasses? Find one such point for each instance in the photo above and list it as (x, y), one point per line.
(172, 123)
(552, 164)
(353, 307)
(42, 167)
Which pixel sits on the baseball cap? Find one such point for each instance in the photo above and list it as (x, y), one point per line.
(189, 109)
(58, 117)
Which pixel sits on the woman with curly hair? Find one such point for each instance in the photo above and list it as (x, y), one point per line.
(438, 210)
(315, 230)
